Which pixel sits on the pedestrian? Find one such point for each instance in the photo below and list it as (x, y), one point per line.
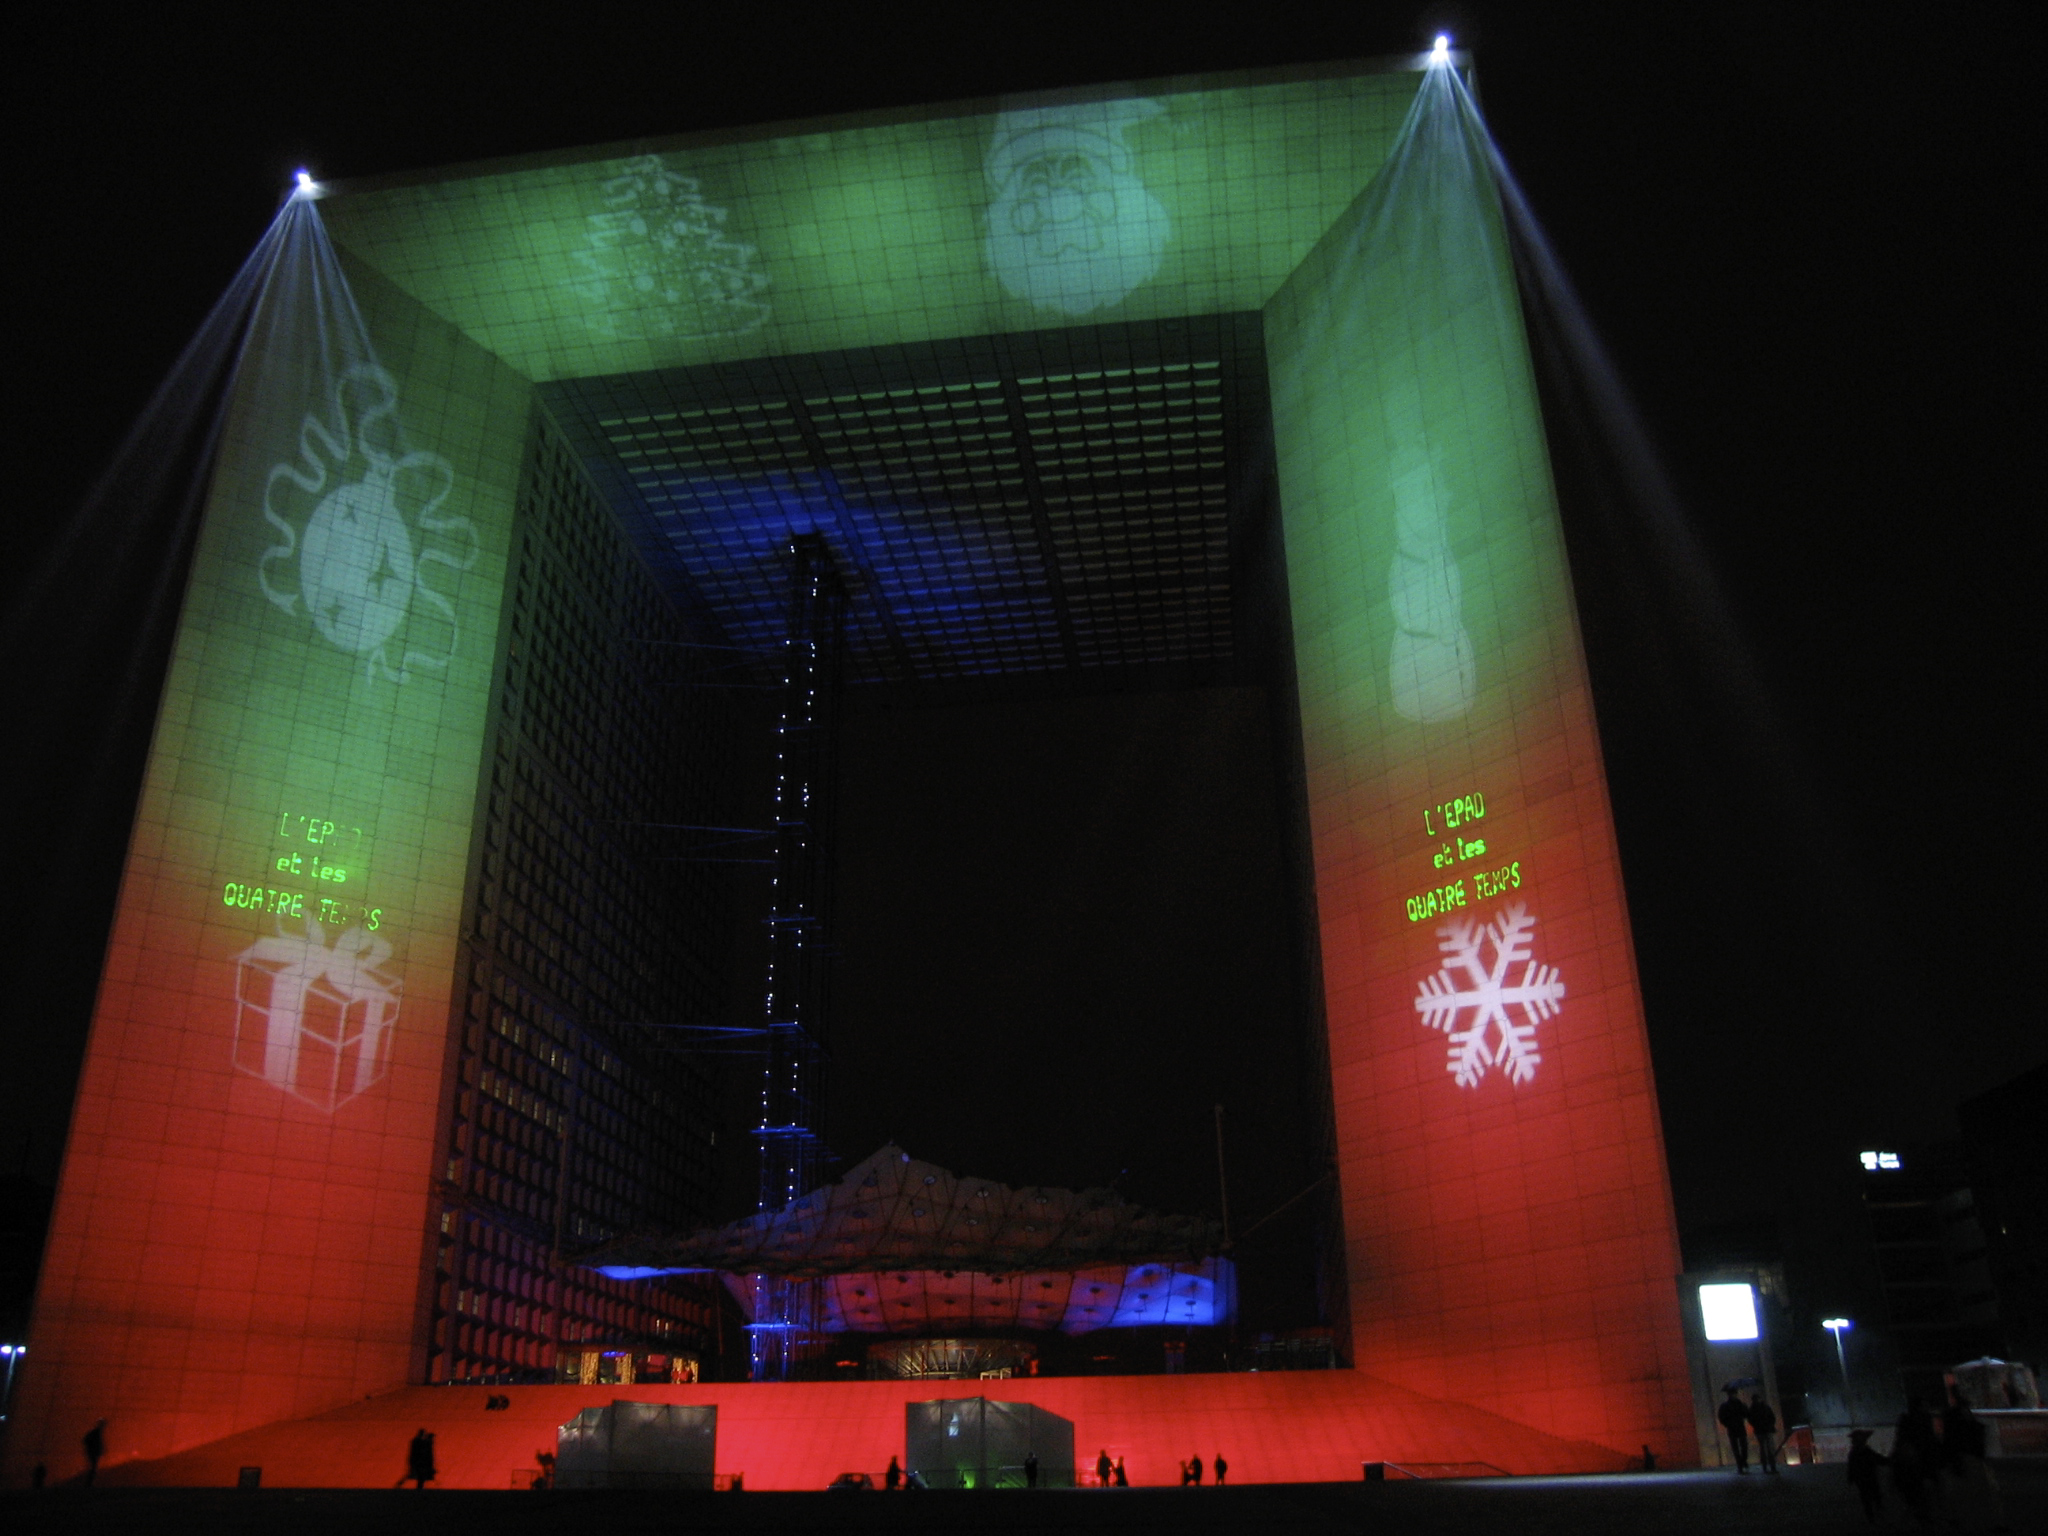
(1734, 1418)
(419, 1461)
(893, 1478)
(1863, 1465)
(95, 1443)
(1103, 1467)
(1123, 1479)
(1195, 1470)
(1031, 1469)
(38, 1475)
(1916, 1460)
(1222, 1469)
(1962, 1454)
(1763, 1419)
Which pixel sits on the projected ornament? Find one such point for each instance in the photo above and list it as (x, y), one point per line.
(1431, 671)
(315, 1020)
(1477, 994)
(657, 263)
(1071, 228)
(372, 529)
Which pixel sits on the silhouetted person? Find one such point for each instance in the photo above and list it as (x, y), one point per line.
(1962, 1456)
(1103, 1467)
(1122, 1478)
(419, 1461)
(38, 1475)
(1031, 1469)
(1916, 1458)
(1735, 1419)
(1195, 1470)
(1763, 1419)
(1222, 1469)
(546, 1459)
(95, 1443)
(1863, 1465)
(893, 1478)
(1649, 1459)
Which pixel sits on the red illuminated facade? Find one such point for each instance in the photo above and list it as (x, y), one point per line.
(357, 1086)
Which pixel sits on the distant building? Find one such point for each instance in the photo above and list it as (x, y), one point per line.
(2005, 1150)
(1932, 1261)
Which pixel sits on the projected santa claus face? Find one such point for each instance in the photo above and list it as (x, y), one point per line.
(1071, 228)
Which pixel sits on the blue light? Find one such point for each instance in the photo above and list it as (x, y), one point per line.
(307, 186)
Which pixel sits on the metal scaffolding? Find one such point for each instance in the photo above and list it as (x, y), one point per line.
(785, 1314)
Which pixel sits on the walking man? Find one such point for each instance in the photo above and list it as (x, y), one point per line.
(1222, 1469)
(1763, 1418)
(419, 1461)
(95, 1443)
(1103, 1467)
(1195, 1470)
(1863, 1465)
(1735, 1419)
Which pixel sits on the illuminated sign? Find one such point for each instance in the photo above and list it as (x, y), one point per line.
(1728, 1313)
(1873, 1161)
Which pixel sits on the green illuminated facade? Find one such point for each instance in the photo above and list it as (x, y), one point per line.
(365, 1063)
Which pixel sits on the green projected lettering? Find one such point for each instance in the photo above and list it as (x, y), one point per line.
(1455, 813)
(328, 853)
(262, 898)
(318, 848)
(1457, 850)
(1442, 899)
(1492, 882)
(279, 903)
(1453, 850)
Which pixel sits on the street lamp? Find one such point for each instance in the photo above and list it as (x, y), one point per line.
(1836, 1326)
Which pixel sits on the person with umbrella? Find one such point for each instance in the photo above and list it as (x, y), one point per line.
(1734, 1417)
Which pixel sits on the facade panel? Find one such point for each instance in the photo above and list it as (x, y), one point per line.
(242, 1218)
(358, 1079)
(1507, 1220)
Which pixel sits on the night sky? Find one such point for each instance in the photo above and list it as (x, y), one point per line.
(1797, 230)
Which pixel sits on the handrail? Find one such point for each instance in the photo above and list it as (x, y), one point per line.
(1409, 1471)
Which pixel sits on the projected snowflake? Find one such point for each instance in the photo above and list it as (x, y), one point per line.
(1470, 991)
(364, 547)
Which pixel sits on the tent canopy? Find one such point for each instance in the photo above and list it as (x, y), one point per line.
(903, 1246)
(894, 1212)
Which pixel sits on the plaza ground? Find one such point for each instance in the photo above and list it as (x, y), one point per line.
(1813, 1500)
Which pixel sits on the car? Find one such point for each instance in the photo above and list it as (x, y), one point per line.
(855, 1481)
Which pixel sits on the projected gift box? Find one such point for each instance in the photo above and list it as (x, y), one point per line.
(315, 1020)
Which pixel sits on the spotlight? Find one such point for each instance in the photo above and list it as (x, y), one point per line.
(1443, 46)
(307, 185)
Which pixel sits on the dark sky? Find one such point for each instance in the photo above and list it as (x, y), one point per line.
(1797, 229)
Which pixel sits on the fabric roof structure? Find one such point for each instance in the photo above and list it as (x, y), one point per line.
(903, 1246)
